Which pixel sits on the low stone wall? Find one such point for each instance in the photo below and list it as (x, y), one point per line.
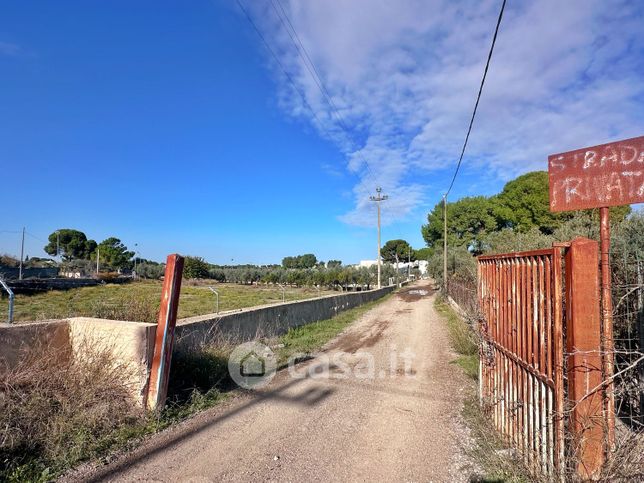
(13, 273)
(267, 321)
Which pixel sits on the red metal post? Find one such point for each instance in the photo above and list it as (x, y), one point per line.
(583, 340)
(164, 337)
(558, 357)
(607, 324)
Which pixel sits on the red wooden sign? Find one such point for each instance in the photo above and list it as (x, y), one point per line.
(606, 175)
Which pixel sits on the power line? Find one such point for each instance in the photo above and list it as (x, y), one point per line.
(288, 76)
(294, 85)
(35, 237)
(315, 74)
(478, 97)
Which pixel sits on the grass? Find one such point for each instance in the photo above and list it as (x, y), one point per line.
(140, 301)
(55, 414)
(488, 451)
(310, 338)
(462, 338)
(56, 410)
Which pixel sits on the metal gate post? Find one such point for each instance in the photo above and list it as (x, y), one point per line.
(164, 337)
(583, 343)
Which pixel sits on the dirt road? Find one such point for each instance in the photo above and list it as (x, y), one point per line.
(402, 424)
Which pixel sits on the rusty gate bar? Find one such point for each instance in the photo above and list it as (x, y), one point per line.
(522, 359)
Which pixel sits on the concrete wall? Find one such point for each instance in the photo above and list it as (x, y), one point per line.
(15, 340)
(267, 321)
(132, 343)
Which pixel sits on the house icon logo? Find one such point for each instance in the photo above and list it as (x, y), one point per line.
(252, 365)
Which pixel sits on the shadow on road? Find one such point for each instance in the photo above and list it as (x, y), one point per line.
(310, 397)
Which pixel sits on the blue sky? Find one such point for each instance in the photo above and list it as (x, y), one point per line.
(169, 125)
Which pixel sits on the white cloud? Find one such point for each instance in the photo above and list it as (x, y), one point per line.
(404, 76)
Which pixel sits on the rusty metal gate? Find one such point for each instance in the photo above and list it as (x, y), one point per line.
(521, 299)
(539, 322)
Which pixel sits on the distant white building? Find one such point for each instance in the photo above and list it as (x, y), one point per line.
(421, 265)
(367, 263)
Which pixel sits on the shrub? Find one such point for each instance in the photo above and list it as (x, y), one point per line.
(56, 411)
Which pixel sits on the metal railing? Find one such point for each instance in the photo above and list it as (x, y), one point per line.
(11, 299)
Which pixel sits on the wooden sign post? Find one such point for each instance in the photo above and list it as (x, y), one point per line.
(598, 177)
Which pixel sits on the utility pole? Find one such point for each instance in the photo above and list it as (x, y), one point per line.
(98, 258)
(135, 252)
(22, 253)
(445, 243)
(378, 198)
(409, 263)
(397, 269)
(58, 244)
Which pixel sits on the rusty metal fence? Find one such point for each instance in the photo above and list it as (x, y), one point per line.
(543, 357)
(464, 293)
(521, 381)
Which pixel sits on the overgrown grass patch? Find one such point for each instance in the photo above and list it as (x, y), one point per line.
(498, 462)
(462, 338)
(56, 411)
(309, 338)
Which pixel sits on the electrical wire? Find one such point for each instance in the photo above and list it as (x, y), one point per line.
(315, 74)
(297, 89)
(286, 74)
(478, 97)
(35, 237)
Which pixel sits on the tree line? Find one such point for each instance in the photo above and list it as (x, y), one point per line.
(73, 245)
(331, 275)
(516, 219)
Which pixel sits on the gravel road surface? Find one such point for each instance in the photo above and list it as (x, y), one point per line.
(381, 402)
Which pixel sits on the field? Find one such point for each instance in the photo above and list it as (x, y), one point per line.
(139, 301)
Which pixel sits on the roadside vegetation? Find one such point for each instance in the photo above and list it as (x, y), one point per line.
(56, 411)
(462, 338)
(498, 462)
(519, 219)
(310, 338)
